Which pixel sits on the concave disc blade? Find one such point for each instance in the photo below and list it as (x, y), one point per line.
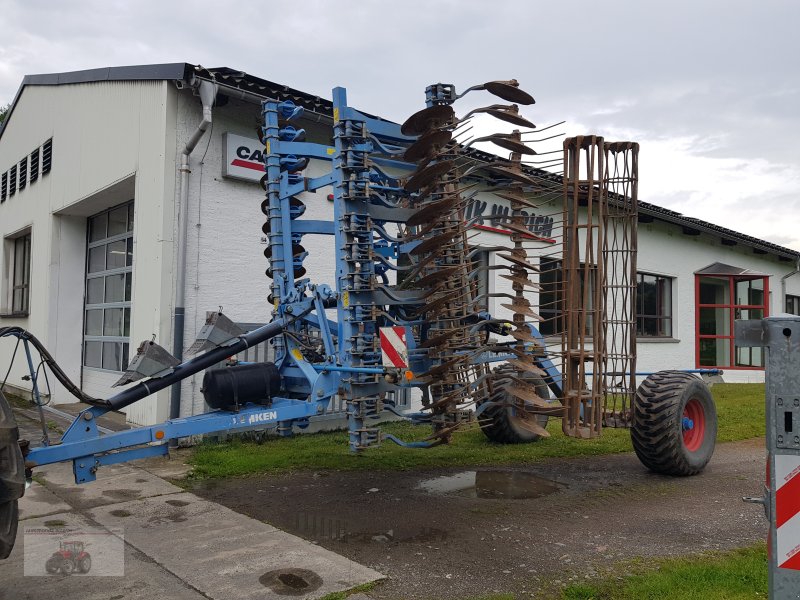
(510, 91)
(427, 118)
(423, 146)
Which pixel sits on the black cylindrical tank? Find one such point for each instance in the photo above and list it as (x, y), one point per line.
(234, 386)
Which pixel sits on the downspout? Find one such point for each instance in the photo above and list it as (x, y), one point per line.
(783, 285)
(208, 93)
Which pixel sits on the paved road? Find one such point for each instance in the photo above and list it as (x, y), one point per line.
(176, 545)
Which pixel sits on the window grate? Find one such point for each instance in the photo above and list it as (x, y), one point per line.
(47, 156)
(34, 165)
(4, 188)
(13, 181)
(23, 173)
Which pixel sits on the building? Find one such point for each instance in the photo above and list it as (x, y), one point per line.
(92, 223)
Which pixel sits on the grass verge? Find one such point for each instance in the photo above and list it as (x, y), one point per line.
(736, 575)
(740, 410)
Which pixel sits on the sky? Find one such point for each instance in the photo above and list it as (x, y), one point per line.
(710, 89)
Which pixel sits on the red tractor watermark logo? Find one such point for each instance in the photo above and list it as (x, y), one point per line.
(71, 557)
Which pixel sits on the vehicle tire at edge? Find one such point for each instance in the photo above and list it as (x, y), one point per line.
(664, 438)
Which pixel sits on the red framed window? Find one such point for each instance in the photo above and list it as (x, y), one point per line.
(720, 299)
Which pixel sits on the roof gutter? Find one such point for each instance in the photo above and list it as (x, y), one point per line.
(207, 91)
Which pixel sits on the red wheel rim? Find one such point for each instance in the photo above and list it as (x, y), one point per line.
(693, 424)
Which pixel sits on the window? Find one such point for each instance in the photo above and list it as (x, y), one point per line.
(34, 165)
(551, 296)
(480, 260)
(23, 173)
(793, 304)
(21, 276)
(13, 180)
(722, 299)
(653, 305)
(47, 156)
(109, 271)
(4, 187)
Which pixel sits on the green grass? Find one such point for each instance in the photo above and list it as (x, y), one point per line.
(740, 574)
(740, 408)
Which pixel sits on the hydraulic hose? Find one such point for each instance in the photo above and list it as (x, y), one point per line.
(48, 359)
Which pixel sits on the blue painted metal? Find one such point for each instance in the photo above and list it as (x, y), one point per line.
(687, 424)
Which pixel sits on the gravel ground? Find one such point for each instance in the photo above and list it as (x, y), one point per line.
(455, 534)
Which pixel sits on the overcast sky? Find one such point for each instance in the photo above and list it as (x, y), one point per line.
(710, 89)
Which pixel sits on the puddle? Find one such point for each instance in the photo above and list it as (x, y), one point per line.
(291, 582)
(177, 503)
(322, 527)
(497, 485)
(119, 513)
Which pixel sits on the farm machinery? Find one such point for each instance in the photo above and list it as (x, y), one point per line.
(407, 308)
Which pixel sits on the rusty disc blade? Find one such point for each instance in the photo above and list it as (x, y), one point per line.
(522, 335)
(427, 118)
(442, 368)
(433, 210)
(523, 281)
(509, 116)
(510, 91)
(518, 261)
(423, 177)
(436, 340)
(508, 142)
(518, 229)
(436, 304)
(434, 243)
(426, 143)
(525, 366)
(529, 422)
(511, 174)
(519, 198)
(438, 277)
(522, 310)
(528, 395)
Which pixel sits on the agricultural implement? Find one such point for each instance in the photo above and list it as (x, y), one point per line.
(407, 309)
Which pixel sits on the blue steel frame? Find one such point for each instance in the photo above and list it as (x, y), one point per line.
(298, 303)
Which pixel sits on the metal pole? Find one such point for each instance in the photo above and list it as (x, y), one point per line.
(780, 336)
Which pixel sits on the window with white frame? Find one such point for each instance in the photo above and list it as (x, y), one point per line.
(109, 271)
(653, 305)
(16, 298)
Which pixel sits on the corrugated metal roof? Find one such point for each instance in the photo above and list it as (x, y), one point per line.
(262, 87)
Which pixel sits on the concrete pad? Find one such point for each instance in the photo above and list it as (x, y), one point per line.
(38, 501)
(224, 553)
(115, 483)
(143, 579)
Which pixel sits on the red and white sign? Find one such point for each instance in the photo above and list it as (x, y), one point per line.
(394, 349)
(242, 158)
(787, 511)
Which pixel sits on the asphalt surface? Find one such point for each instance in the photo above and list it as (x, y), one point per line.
(454, 534)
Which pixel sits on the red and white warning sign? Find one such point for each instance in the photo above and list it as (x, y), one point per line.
(787, 510)
(394, 349)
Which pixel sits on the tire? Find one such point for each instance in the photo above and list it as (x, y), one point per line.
(12, 478)
(674, 423)
(53, 564)
(499, 423)
(85, 564)
(68, 566)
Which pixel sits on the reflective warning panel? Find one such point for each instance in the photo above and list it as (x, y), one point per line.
(787, 510)
(394, 350)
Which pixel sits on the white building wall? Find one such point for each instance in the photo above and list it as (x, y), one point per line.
(108, 147)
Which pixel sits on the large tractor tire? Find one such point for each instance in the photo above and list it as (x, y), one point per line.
(12, 478)
(501, 423)
(674, 423)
